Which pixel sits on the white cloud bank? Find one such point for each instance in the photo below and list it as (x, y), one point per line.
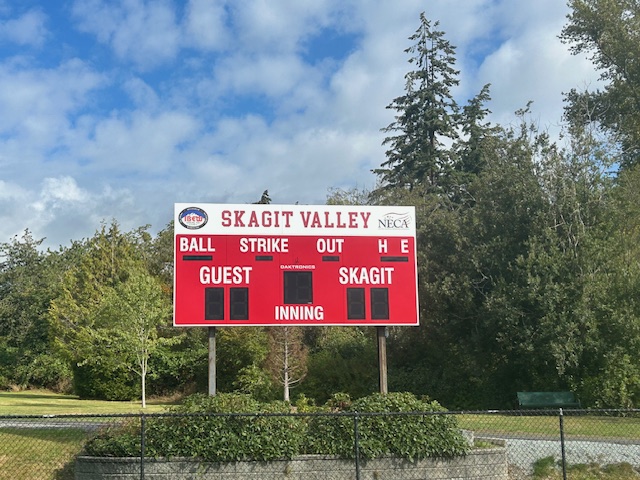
(141, 103)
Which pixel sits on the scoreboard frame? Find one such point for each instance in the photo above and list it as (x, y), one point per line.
(300, 265)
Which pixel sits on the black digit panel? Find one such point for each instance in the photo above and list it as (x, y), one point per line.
(214, 303)
(379, 304)
(355, 304)
(298, 288)
(239, 302)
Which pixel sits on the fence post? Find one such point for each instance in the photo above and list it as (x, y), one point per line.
(356, 445)
(564, 458)
(143, 422)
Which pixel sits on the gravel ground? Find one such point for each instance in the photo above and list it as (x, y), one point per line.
(522, 453)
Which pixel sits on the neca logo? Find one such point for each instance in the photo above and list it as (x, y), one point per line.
(395, 221)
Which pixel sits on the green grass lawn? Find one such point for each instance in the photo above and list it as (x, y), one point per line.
(46, 453)
(39, 453)
(38, 402)
(579, 426)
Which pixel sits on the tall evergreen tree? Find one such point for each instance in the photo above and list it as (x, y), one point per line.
(434, 145)
(427, 114)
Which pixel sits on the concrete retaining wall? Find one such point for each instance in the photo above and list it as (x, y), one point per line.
(488, 463)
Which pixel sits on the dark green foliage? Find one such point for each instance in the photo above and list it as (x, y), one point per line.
(226, 437)
(180, 366)
(45, 370)
(29, 279)
(94, 381)
(121, 441)
(241, 354)
(342, 360)
(406, 436)
(210, 433)
(428, 119)
(227, 428)
(426, 114)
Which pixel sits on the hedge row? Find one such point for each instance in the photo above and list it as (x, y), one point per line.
(231, 427)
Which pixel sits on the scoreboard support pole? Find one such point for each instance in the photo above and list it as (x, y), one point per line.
(212, 361)
(382, 359)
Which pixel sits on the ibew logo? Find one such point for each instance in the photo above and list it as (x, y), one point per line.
(193, 218)
(395, 221)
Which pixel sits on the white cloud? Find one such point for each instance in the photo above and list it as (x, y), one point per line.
(13, 199)
(205, 24)
(9, 191)
(36, 102)
(270, 75)
(534, 66)
(28, 29)
(143, 32)
(61, 190)
(142, 94)
(139, 143)
(61, 210)
(279, 25)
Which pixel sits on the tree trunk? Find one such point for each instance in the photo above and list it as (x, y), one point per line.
(286, 371)
(143, 385)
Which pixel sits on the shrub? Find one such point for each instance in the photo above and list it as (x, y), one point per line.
(227, 427)
(231, 427)
(122, 441)
(380, 432)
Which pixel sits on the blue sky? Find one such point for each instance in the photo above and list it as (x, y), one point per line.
(121, 108)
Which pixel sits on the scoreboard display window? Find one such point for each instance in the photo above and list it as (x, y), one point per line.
(294, 265)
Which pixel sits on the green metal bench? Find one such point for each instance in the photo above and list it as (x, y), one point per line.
(547, 400)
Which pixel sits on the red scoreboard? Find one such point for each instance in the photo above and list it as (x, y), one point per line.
(294, 265)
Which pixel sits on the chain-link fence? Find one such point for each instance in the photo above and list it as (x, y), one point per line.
(573, 444)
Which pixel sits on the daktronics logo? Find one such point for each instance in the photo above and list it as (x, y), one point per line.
(193, 218)
(395, 221)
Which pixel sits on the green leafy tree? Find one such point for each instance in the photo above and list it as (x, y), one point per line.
(607, 30)
(478, 141)
(103, 263)
(242, 353)
(609, 376)
(130, 316)
(28, 282)
(475, 282)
